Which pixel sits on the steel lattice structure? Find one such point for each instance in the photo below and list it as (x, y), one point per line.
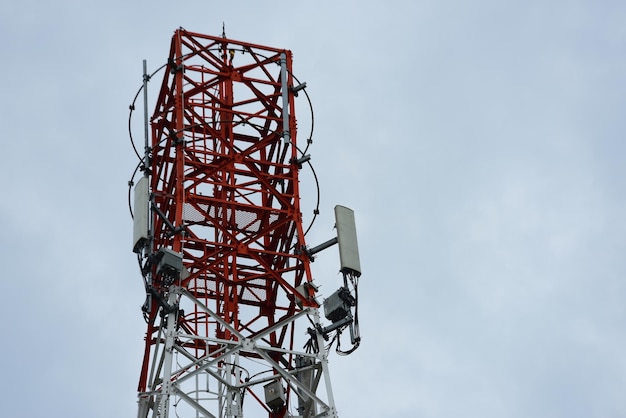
(224, 258)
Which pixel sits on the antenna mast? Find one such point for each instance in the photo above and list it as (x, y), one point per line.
(232, 319)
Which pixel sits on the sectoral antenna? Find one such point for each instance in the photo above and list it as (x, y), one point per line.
(341, 308)
(140, 221)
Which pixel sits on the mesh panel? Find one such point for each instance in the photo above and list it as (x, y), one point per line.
(245, 220)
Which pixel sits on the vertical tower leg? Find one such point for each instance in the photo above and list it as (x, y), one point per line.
(167, 392)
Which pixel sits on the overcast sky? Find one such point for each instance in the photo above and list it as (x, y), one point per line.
(480, 143)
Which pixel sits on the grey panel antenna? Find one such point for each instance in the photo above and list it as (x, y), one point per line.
(346, 236)
(140, 209)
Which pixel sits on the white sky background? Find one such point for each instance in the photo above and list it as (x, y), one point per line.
(480, 143)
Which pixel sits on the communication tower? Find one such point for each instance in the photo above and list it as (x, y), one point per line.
(232, 311)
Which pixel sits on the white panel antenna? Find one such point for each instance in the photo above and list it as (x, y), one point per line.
(140, 212)
(346, 237)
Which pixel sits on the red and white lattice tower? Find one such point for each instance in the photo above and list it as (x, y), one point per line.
(232, 318)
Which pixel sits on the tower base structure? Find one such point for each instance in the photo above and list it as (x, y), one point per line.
(241, 374)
